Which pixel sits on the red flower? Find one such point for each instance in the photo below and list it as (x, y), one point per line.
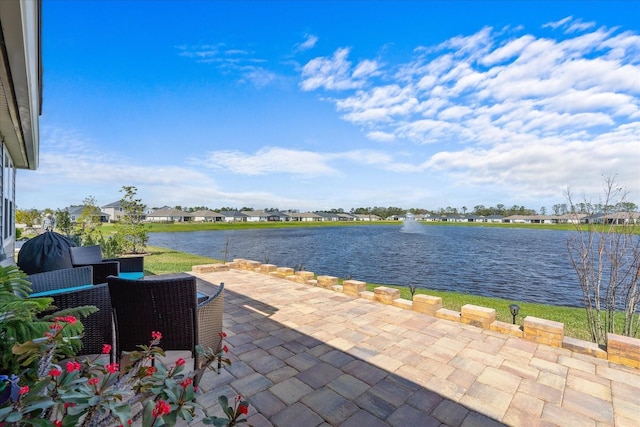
(73, 366)
(106, 348)
(180, 362)
(156, 336)
(57, 423)
(225, 349)
(150, 370)
(222, 335)
(24, 390)
(161, 408)
(69, 405)
(55, 372)
(66, 319)
(186, 382)
(243, 409)
(112, 368)
(93, 381)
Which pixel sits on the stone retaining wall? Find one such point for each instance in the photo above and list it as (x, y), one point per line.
(622, 350)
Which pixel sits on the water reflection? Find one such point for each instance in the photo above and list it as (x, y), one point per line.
(520, 264)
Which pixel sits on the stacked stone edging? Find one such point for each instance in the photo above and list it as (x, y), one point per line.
(620, 349)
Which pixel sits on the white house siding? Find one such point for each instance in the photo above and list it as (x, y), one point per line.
(20, 97)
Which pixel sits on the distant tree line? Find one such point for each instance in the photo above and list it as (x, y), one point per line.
(29, 217)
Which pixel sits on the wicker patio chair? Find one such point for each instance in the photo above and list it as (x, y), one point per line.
(143, 306)
(210, 313)
(169, 306)
(58, 279)
(131, 267)
(92, 255)
(98, 329)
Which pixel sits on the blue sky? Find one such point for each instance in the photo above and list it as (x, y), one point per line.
(318, 105)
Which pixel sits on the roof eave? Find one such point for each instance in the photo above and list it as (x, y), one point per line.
(21, 80)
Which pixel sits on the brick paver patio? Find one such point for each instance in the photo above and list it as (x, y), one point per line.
(307, 356)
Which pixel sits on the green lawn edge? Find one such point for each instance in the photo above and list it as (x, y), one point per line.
(162, 260)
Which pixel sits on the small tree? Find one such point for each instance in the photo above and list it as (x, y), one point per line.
(63, 222)
(89, 222)
(27, 217)
(131, 230)
(605, 254)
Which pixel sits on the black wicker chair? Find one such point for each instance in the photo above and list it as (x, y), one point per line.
(131, 267)
(72, 287)
(169, 306)
(92, 255)
(58, 279)
(98, 327)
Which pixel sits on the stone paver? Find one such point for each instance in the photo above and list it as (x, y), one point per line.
(306, 356)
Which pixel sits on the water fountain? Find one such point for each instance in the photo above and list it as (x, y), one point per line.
(410, 225)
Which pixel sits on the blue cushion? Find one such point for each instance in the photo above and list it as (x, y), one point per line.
(132, 275)
(59, 291)
(202, 297)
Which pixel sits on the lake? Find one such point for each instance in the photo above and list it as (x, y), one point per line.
(519, 264)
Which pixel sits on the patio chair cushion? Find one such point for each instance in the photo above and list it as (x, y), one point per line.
(58, 291)
(60, 279)
(131, 275)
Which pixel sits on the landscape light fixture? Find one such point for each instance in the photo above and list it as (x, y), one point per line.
(412, 288)
(514, 309)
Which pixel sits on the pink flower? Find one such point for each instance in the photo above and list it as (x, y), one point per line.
(186, 382)
(180, 362)
(24, 390)
(150, 370)
(225, 349)
(55, 372)
(112, 368)
(93, 381)
(156, 336)
(106, 348)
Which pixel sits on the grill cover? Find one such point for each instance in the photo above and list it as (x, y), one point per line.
(46, 252)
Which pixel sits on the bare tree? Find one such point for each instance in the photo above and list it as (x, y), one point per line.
(605, 253)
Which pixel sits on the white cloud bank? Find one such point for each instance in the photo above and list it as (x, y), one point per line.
(528, 113)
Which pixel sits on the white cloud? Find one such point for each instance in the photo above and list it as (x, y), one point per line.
(271, 161)
(517, 108)
(334, 73)
(381, 136)
(559, 23)
(309, 42)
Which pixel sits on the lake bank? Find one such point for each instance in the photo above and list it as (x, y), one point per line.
(163, 260)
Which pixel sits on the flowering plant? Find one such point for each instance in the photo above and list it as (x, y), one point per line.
(92, 392)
